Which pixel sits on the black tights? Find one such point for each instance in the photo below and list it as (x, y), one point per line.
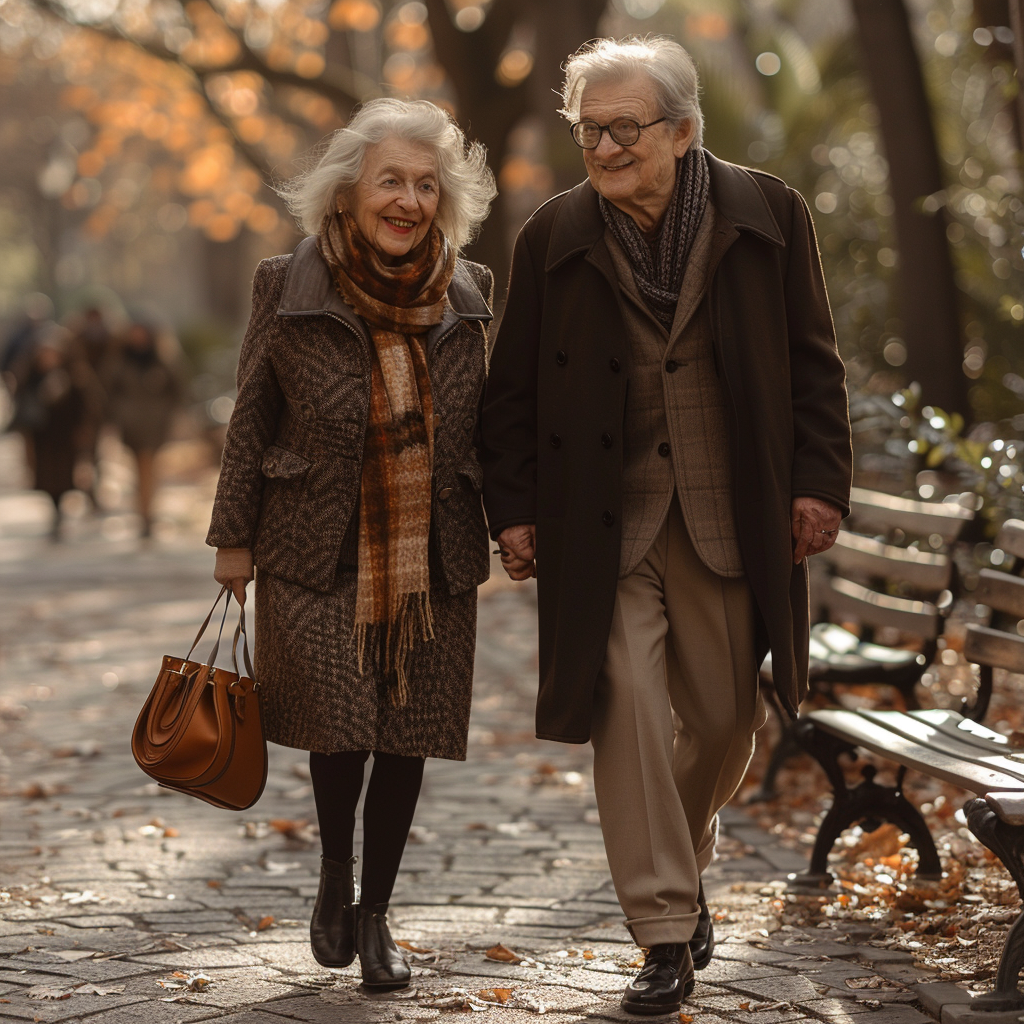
(387, 812)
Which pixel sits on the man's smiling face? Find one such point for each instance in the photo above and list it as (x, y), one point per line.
(640, 176)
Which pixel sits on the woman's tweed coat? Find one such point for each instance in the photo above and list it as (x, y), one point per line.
(289, 489)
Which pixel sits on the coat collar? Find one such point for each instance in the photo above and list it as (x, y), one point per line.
(578, 224)
(309, 290)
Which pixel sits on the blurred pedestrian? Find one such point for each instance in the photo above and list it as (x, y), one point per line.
(92, 344)
(666, 439)
(143, 389)
(53, 406)
(16, 361)
(350, 478)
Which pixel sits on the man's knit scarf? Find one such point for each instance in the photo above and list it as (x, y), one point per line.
(659, 264)
(399, 304)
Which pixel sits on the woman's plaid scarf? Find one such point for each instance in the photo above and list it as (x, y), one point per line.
(659, 265)
(399, 303)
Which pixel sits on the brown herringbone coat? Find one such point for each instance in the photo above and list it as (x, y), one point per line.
(289, 489)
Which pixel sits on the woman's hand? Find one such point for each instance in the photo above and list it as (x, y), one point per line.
(517, 547)
(815, 525)
(234, 569)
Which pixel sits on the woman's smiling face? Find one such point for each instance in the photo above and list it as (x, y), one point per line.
(395, 198)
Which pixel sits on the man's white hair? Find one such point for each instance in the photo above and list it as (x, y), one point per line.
(666, 64)
(464, 182)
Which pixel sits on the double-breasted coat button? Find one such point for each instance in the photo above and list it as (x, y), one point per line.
(671, 366)
(663, 449)
(445, 493)
(306, 411)
(561, 358)
(606, 440)
(607, 518)
(555, 441)
(614, 365)
(468, 422)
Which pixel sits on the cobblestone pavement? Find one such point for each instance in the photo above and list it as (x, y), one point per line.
(124, 903)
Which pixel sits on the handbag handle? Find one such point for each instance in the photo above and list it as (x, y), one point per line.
(240, 631)
(225, 589)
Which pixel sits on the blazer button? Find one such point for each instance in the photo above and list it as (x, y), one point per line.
(555, 441)
(468, 422)
(444, 494)
(663, 449)
(606, 440)
(671, 366)
(614, 365)
(607, 518)
(561, 358)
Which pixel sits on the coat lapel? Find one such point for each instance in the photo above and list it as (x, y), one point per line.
(309, 291)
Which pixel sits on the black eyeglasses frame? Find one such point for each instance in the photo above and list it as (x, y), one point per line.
(602, 128)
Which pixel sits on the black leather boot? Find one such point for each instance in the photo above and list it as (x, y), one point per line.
(382, 963)
(702, 945)
(332, 928)
(665, 980)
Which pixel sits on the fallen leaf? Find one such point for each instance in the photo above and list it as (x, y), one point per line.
(495, 995)
(685, 1018)
(409, 946)
(265, 923)
(502, 954)
(588, 954)
(192, 981)
(49, 992)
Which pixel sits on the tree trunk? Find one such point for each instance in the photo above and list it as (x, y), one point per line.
(927, 292)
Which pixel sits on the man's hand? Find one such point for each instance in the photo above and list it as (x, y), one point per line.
(815, 525)
(517, 546)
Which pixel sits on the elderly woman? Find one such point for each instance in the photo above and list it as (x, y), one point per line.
(350, 480)
(665, 440)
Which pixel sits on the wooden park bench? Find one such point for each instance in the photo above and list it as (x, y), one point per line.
(949, 745)
(890, 568)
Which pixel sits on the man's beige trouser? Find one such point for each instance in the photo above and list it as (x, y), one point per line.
(675, 712)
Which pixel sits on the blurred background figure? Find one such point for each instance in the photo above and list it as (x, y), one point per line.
(92, 344)
(52, 410)
(143, 389)
(16, 364)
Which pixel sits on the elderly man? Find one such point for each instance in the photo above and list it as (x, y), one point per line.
(666, 439)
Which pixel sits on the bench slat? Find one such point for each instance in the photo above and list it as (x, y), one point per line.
(963, 729)
(921, 732)
(854, 728)
(1001, 592)
(1011, 538)
(872, 510)
(867, 557)
(985, 646)
(849, 599)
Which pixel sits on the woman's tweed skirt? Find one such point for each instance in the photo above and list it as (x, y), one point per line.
(313, 697)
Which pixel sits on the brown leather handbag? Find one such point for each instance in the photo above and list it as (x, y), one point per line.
(199, 731)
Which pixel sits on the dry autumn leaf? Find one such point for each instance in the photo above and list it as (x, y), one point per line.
(502, 954)
(409, 946)
(495, 995)
(685, 1018)
(265, 922)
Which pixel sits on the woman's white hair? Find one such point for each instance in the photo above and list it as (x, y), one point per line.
(465, 184)
(669, 67)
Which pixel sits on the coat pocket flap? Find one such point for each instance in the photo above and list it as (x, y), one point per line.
(473, 473)
(279, 462)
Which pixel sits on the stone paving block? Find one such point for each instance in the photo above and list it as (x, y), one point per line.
(964, 1013)
(731, 1003)
(744, 951)
(811, 944)
(75, 1008)
(547, 918)
(934, 995)
(784, 860)
(787, 988)
(877, 955)
(726, 972)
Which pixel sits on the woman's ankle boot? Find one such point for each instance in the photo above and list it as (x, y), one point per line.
(382, 963)
(332, 928)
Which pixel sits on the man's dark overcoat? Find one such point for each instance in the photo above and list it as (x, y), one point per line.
(557, 390)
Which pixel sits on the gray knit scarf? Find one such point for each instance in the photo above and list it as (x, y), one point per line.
(659, 264)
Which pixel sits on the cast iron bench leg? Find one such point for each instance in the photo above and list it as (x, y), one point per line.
(1007, 843)
(867, 802)
(786, 748)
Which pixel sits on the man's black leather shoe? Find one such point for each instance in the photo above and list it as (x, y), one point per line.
(702, 945)
(665, 980)
(332, 929)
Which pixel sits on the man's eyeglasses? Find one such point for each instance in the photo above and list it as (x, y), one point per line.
(624, 131)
